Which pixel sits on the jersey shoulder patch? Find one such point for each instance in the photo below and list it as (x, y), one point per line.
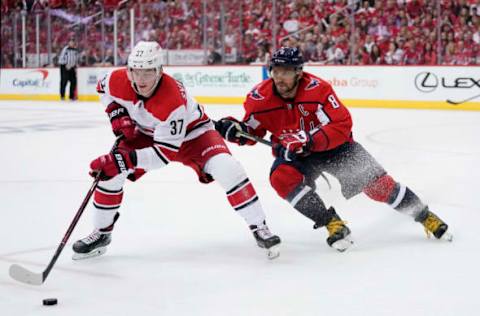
(102, 84)
(314, 88)
(260, 97)
(260, 91)
(119, 85)
(312, 84)
(255, 94)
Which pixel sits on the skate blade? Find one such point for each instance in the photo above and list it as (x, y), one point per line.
(447, 236)
(95, 253)
(273, 252)
(342, 244)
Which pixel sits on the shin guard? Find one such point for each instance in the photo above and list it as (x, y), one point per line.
(397, 195)
(305, 200)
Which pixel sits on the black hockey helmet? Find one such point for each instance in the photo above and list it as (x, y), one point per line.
(287, 56)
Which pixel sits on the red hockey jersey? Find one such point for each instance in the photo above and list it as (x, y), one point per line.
(315, 109)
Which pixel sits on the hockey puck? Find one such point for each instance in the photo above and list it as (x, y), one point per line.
(50, 301)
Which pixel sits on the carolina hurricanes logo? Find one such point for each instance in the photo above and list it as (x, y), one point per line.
(254, 94)
(101, 84)
(313, 83)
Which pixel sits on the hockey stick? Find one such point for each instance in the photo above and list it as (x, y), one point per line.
(21, 274)
(463, 101)
(251, 137)
(268, 143)
(254, 138)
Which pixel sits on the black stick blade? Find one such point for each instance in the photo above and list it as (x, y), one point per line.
(23, 275)
(454, 102)
(463, 101)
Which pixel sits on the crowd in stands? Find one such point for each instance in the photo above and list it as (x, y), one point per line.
(370, 32)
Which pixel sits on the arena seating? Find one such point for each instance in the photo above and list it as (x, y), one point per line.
(385, 32)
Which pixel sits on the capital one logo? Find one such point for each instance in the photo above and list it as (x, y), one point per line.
(32, 79)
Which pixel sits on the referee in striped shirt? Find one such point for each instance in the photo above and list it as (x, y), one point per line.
(68, 61)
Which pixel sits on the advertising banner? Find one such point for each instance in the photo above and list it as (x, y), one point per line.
(185, 57)
(419, 87)
(20, 84)
(218, 84)
(435, 87)
(87, 81)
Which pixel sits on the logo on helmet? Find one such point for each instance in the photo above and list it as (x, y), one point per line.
(287, 56)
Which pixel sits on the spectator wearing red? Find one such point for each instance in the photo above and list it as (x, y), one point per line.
(336, 54)
(428, 21)
(365, 58)
(463, 55)
(391, 7)
(319, 55)
(376, 55)
(415, 8)
(412, 55)
(365, 12)
(429, 54)
(335, 28)
(449, 56)
(394, 55)
(362, 26)
(306, 17)
(249, 49)
(55, 4)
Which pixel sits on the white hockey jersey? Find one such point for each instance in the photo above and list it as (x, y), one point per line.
(170, 115)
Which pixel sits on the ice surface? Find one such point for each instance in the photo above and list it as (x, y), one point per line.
(178, 249)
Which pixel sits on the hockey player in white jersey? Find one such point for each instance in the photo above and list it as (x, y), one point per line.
(160, 123)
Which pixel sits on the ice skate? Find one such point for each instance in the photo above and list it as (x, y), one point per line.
(434, 225)
(339, 234)
(265, 239)
(93, 245)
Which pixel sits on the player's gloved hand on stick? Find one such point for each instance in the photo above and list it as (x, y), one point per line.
(121, 122)
(280, 151)
(228, 128)
(114, 163)
(293, 145)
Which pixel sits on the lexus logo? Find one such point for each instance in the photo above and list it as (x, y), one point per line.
(426, 82)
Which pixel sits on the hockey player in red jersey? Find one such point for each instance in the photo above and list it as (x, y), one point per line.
(160, 123)
(311, 133)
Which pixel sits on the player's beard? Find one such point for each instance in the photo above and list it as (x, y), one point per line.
(287, 91)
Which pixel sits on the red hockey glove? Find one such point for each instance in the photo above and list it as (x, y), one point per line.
(121, 122)
(228, 128)
(114, 163)
(293, 145)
